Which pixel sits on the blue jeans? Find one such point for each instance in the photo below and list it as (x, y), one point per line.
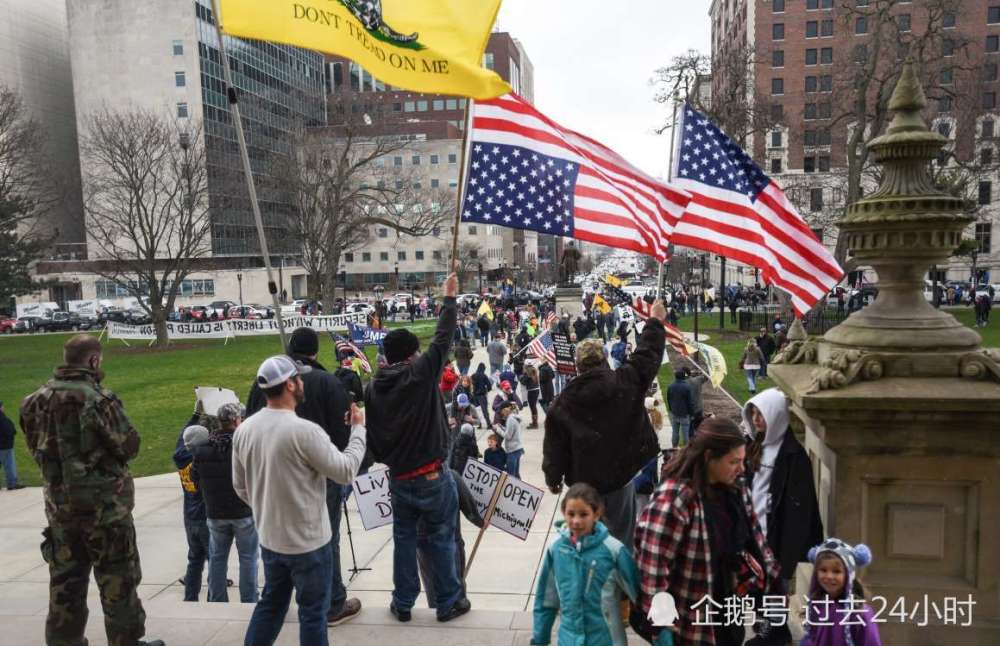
(681, 427)
(9, 468)
(431, 501)
(762, 373)
(752, 379)
(198, 549)
(223, 531)
(309, 575)
(514, 462)
(335, 508)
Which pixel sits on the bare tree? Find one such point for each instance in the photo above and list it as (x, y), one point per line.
(146, 202)
(26, 191)
(467, 262)
(345, 188)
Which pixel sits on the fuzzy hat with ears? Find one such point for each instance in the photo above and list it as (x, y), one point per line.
(853, 557)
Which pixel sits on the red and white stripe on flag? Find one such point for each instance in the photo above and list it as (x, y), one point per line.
(676, 339)
(739, 212)
(615, 203)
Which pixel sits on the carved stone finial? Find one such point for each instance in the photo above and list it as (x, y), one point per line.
(797, 332)
(907, 101)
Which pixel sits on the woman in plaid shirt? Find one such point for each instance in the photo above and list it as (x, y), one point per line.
(699, 539)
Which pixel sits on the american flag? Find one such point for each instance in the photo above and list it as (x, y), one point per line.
(344, 346)
(619, 296)
(676, 339)
(550, 318)
(542, 348)
(739, 212)
(527, 172)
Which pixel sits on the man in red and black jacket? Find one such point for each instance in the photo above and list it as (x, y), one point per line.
(408, 432)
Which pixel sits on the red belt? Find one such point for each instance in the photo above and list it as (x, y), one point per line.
(420, 471)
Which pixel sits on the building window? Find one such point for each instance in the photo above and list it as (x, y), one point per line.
(435, 183)
(777, 112)
(826, 83)
(990, 72)
(182, 110)
(434, 159)
(472, 230)
(778, 31)
(777, 86)
(823, 137)
(179, 79)
(826, 56)
(776, 165)
(944, 129)
(778, 6)
(778, 58)
(452, 158)
(812, 56)
(944, 104)
(815, 200)
(989, 100)
(903, 21)
(810, 111)
(438, 104)
(809, 164)
(383, 232)
(348, 257)
(812, 29)
(861, 25)
(416, 160)
(397, 161)
(383, 256)
(409, 106)
(826, 28)
(824, 164)
(809, 137)
(993, 43)
(985, 192)
(776, 139)
(987, 129)
(948, 19)
(947, 47)
(947, 76)
(984, 233)
(861, 54)
(178, 48)
(400, 184)
(400, 255)
(812, 5)
(436, 254)
(812, 83)
(993, 15)
(488, 60)
(825, 110)
(421, 106)
(986, 157)
(418, 255)
(450, 104)
(452, 183)
(366, 256)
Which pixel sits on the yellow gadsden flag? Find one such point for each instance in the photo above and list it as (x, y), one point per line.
(433, 46)
(485, 310)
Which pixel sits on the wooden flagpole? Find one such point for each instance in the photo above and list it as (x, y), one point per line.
(234, 106)
(486, 521)
(463, 171)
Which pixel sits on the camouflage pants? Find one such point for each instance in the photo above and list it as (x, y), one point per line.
(71, 552)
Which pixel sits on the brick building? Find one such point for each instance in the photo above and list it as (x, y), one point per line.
(806, 58)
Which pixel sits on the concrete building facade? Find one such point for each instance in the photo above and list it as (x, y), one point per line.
(805, 56)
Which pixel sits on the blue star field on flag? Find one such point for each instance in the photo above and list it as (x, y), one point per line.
(708, 156)
(515, 187)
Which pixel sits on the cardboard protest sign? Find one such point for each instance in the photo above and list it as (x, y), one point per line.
(517, 503)
(565, 354)
(374, 502)
(212, 398)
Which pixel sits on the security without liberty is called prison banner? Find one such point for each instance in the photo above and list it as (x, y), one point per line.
(232, 327)
(433, 46)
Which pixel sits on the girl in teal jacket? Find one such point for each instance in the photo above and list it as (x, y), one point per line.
(584, 574)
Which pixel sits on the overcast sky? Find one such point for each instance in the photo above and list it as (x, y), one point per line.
(593, 61)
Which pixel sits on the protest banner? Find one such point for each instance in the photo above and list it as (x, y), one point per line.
(374, 502)
(516, 504)
(231, 327)
(362, 335)
(565, 354)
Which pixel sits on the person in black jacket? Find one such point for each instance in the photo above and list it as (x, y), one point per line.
(784, 494)
(7, 431)
(681, 404)
(597, 430)
(195, 523)
(408, 432)
(546, 384)
(228, 516)
(465, 448)
(481, 386)
(352, 382)
(326, 403)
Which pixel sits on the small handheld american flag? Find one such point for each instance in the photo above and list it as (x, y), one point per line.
(343, 346)
(543, 348)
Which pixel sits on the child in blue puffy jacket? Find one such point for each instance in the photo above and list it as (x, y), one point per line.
(584, 574)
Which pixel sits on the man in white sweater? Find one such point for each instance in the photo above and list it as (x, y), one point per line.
(280, 466)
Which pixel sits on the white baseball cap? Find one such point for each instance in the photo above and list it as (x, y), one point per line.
(279, 369)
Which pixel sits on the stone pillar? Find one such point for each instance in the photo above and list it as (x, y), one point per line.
(901, 406)
(569, 300)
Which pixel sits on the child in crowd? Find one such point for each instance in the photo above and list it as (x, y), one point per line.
(495, 456)
(513, 437)
(465, 449)
(584, 574)
(837, 614)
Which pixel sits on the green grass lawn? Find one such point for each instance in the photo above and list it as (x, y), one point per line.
(731, 342)
(156, 386)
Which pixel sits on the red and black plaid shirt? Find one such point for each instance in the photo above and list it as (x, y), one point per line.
(674, 555)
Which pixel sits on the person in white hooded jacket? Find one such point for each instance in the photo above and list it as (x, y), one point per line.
(781, 478)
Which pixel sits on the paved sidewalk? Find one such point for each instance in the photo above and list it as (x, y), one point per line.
(500, 584)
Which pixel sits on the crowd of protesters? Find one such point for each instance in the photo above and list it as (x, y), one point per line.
(725, 510)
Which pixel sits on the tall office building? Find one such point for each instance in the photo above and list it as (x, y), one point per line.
(164, 56)
(34, 62)
(806, 54)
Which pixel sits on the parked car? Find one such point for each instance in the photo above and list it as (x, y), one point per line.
(221, 307)
(7, 325)
(26, 324)
(62, 322)
(363, 308)
(248, 312)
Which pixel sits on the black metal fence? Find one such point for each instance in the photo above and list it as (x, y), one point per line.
(814, 322)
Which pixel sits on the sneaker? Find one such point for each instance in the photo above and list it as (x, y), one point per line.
(401, 615)
(351, 609)
(15, 487)
(461, 607)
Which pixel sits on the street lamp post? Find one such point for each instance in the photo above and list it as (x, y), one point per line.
(379, 306)
(480, 268)
(343, 278)
(239, 279)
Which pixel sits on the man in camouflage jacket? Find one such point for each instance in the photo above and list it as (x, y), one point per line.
(81, 438)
